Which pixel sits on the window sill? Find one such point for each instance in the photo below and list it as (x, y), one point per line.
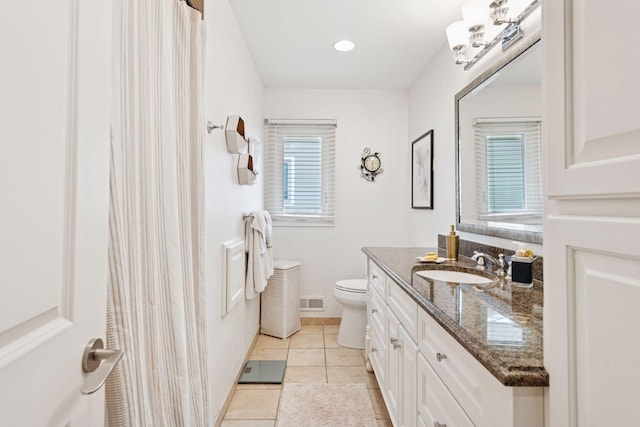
(303, 222)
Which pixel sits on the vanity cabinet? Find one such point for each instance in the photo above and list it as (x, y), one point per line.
(429, 379)
(393, 349)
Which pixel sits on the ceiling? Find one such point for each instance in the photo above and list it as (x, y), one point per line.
(292, 40)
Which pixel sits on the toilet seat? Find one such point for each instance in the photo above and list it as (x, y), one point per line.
(356, 286)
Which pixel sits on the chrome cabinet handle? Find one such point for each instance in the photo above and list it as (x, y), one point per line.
(98, 363)
(437, 424)
(374, 310)
(373, 349)
(440, 357)
(374, 277)
(394, 342)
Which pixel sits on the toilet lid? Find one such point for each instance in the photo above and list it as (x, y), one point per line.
(358, 286)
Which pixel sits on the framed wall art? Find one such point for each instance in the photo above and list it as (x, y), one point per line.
(422, 172)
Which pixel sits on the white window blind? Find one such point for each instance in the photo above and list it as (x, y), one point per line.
(299, 171)
(508, 156)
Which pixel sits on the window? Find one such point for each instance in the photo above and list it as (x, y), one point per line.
(299, 171)
(505, 173)
(509, 169)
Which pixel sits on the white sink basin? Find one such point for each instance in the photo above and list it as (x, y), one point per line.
(454, 276)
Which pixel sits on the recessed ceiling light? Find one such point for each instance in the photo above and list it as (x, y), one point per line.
(344, 45)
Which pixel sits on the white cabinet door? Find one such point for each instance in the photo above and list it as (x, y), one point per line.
(591, 250)
(400, 381)
(54, 182)
(392, 382)
(377, 336)
(436, 406)
(408, 372)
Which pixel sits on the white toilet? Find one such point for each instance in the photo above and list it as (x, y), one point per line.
(352, 294)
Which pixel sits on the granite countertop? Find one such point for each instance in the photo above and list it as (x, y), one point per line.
(501, 326)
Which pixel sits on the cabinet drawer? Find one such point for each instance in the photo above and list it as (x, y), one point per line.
(404, 308)
(377, 279)
(436, 406)
(377, 313)
(483, 397)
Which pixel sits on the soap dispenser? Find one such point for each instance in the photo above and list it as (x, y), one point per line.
(452, 244)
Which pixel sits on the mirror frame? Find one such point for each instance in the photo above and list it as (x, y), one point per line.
(522, 236)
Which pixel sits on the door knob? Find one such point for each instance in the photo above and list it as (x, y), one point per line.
(98, 363)
(395, 343)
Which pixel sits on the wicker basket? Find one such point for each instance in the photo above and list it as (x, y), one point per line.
(280, 301)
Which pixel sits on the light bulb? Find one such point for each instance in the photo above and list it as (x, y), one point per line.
(458, 36)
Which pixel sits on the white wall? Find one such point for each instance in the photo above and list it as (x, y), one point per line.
(367, 213)
(233, 86)
(431, 106)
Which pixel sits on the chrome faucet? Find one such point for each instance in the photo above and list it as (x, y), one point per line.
(479, 258)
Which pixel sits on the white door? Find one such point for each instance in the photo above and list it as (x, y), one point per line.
(54, 179)
(592, 227)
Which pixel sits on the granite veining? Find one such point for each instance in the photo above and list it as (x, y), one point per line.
(499, 324)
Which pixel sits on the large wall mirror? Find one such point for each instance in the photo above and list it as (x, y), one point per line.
(499, 149)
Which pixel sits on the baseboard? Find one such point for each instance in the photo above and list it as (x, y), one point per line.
(320, 320)
(227, 401)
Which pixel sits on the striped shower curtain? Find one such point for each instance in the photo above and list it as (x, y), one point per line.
(156, 311)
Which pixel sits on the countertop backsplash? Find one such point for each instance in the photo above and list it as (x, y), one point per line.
(467, 247)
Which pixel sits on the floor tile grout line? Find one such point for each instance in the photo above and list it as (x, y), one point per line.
(326, 376)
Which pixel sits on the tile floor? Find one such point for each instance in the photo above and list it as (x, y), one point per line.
(313, 356)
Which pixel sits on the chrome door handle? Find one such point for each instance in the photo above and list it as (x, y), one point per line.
(394, 341)
(98, 363)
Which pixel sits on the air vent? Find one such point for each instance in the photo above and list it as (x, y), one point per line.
(312, 304)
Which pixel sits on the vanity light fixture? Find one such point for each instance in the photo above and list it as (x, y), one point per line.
(480, 18)
(499, 12)
(458, 40)
(344, 45)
